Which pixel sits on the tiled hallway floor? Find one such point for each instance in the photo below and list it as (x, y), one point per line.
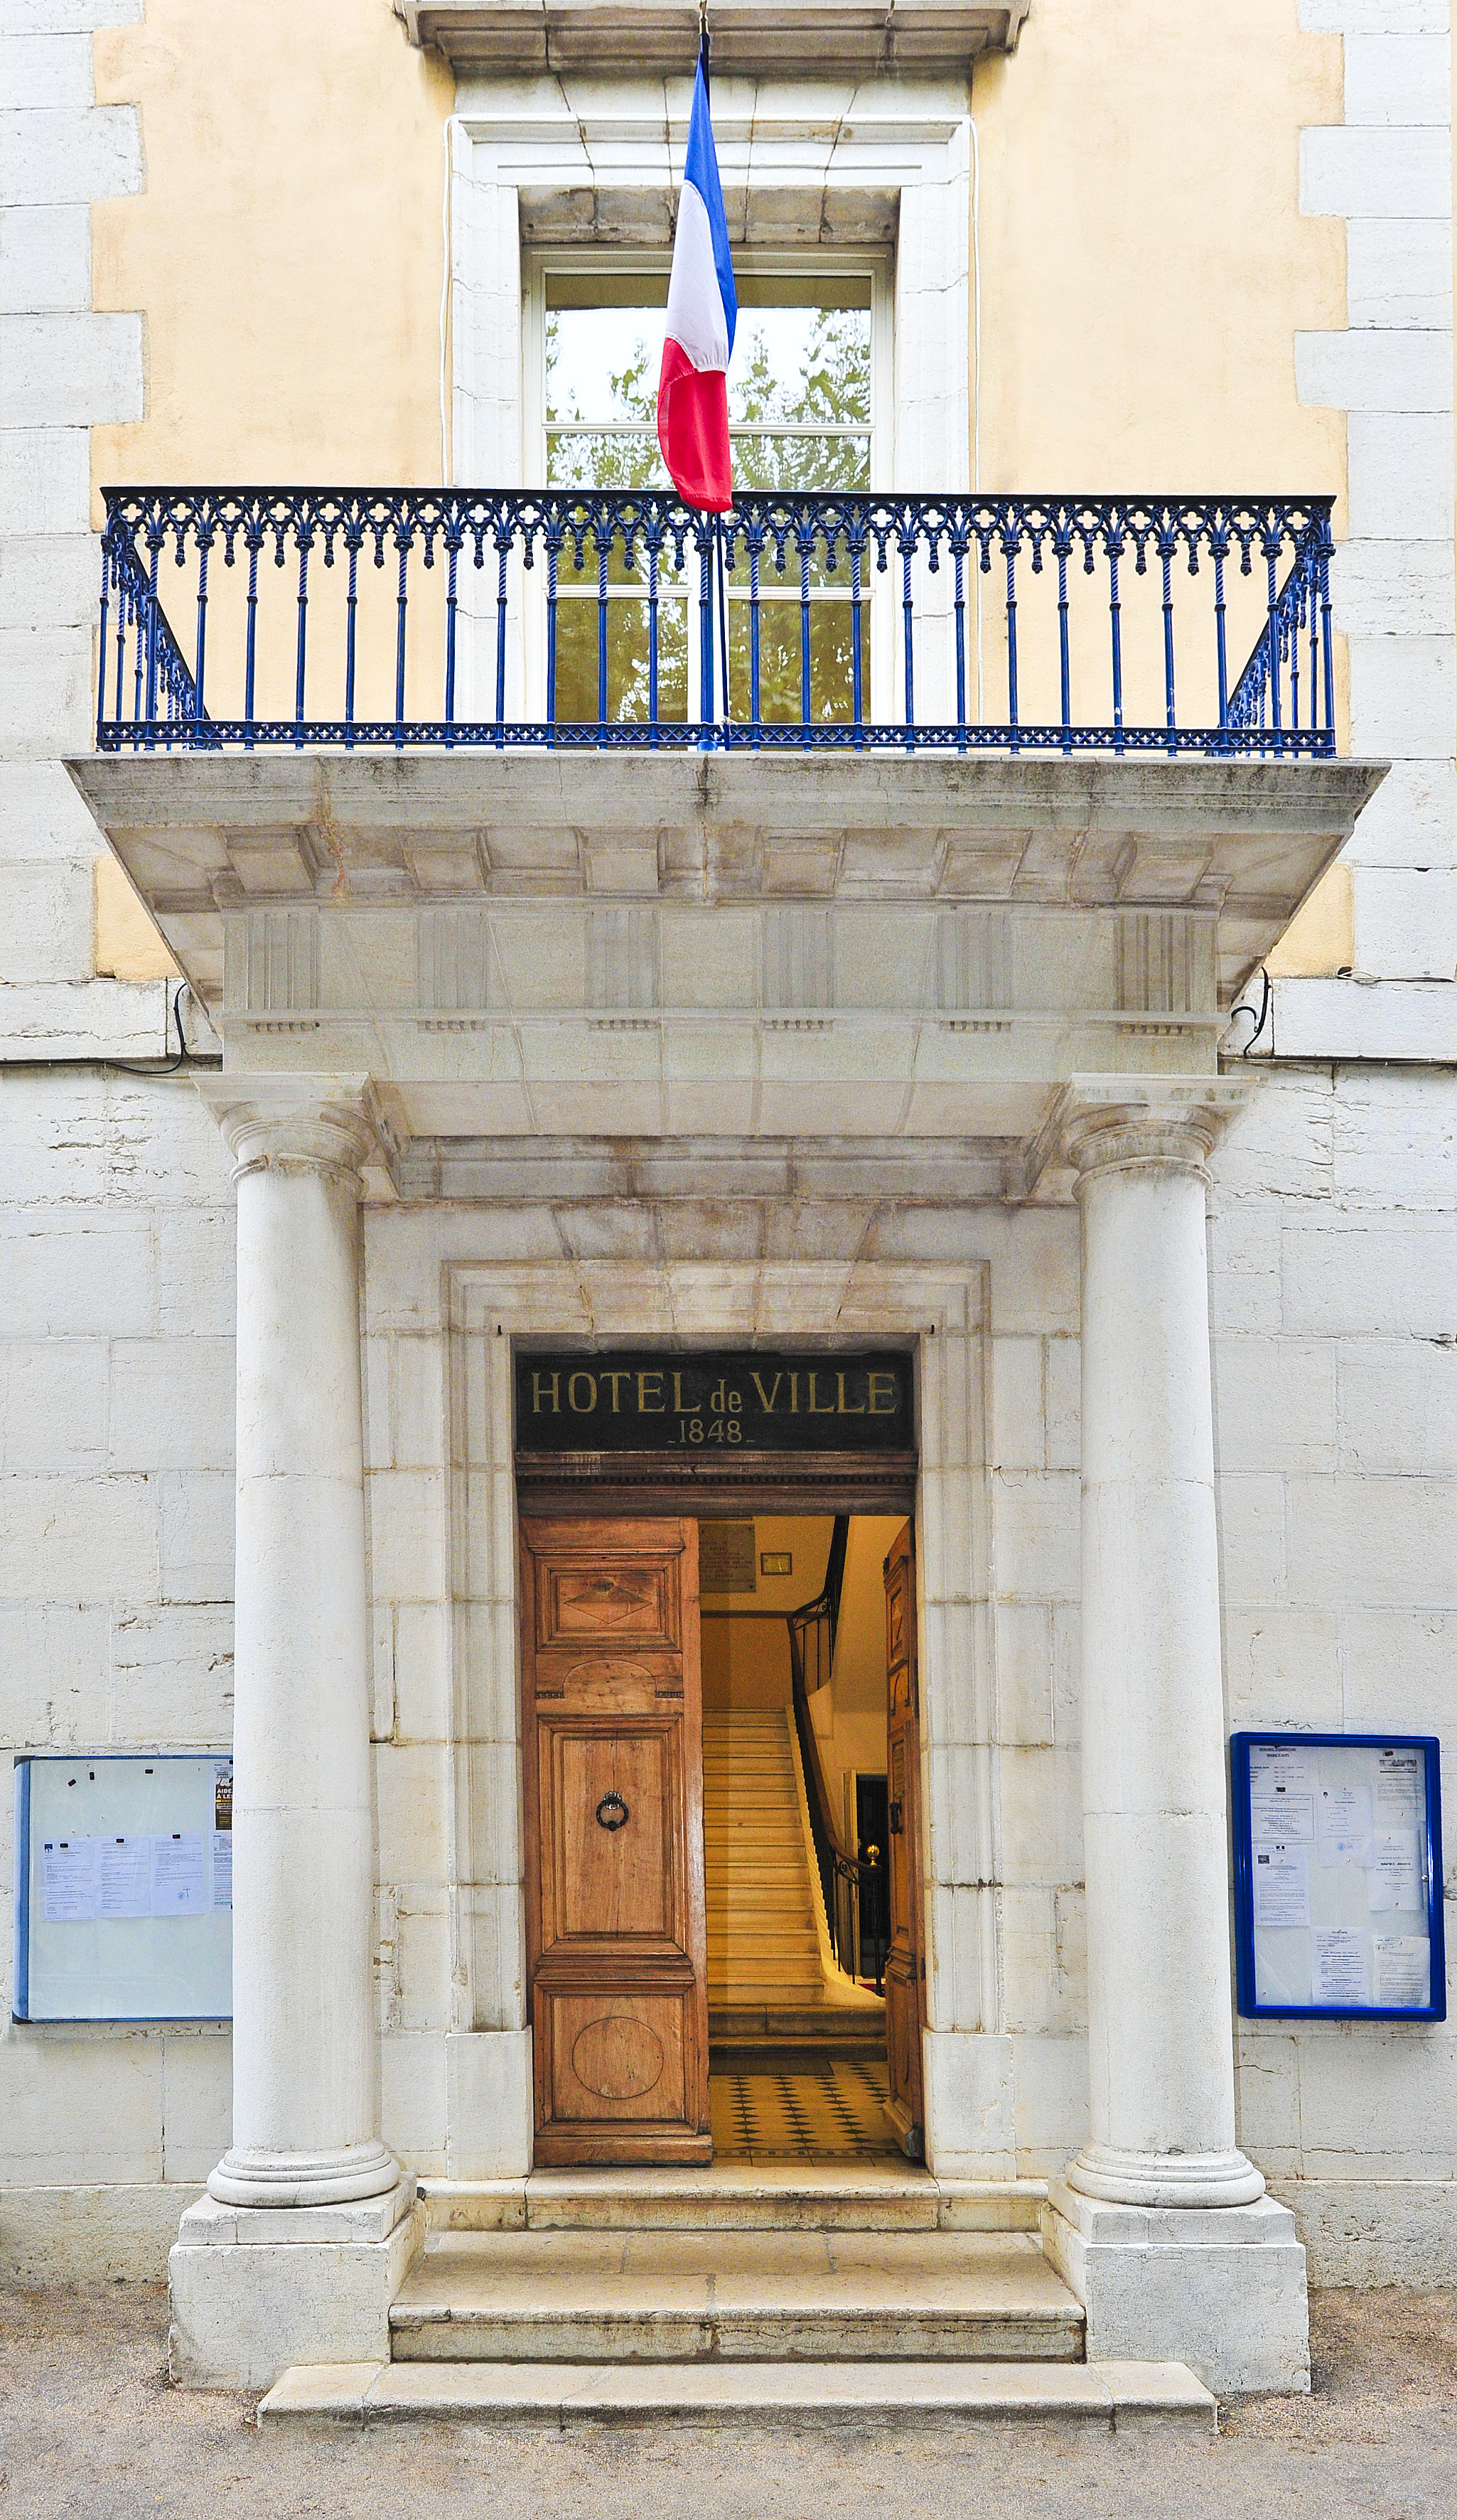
(836, 2107)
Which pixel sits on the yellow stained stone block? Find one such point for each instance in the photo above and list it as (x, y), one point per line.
(1320, 941)
(127, 944)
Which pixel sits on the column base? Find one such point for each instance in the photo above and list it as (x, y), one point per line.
(270, 2179)
(256, 2291)
(1221, 2288)
(1176, 2178)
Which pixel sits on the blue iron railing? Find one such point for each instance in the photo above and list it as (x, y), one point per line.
(623, 618)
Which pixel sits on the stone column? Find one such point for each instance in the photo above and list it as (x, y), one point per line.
(305, 2136)
(1162, 2179)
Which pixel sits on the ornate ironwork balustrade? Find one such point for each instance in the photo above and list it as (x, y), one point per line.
(569, 618)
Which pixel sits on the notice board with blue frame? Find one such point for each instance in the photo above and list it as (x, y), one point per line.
(123, 1905)
(1338, 1876)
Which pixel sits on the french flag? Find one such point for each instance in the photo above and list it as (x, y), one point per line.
(702, 312)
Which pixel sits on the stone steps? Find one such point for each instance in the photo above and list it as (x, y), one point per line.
(818, 2024)
(795, 2195)
(1088, 2397)
(769, 1930)
(666, 2296)
(751, 1967)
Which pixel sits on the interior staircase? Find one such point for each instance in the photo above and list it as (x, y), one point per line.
(873, 2292)
(763, 1949)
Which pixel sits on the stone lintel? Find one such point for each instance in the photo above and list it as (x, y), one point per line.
(659, 38)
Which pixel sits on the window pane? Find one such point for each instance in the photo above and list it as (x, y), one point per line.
(579, 555)
(802, 363)
(796, 362)
(602, 363)
(782, 462)
(781, 656)
(629, 661)
(580, 460)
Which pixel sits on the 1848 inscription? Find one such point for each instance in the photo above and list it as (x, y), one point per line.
(631, 1401)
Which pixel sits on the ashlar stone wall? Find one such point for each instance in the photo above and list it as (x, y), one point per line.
(1333, 1242)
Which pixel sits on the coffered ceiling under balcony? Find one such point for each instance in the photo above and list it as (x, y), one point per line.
(659, 38)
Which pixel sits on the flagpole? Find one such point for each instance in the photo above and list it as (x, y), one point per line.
(718, 535)
(718, 523)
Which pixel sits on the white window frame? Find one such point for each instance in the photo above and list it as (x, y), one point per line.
(583, 137)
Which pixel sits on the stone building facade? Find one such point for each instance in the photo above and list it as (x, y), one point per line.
(597, 1155)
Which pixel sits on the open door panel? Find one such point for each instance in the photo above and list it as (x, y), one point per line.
(616, 1919)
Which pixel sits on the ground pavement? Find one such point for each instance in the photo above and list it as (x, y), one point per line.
(90, 2429)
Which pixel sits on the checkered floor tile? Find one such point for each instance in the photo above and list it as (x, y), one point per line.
(834, 2108)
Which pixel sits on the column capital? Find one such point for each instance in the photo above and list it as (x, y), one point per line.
(1121, 1123)
(321, 1124)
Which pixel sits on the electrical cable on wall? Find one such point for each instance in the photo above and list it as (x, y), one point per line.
(1261, 1018)
(451, 122)
(167, 1064)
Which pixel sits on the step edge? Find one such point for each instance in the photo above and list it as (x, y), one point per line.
(1120, 2395)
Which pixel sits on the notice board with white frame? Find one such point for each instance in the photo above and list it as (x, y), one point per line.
(1338, 1876)
(124, 1887)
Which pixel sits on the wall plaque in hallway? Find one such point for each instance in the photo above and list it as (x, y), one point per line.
(629, 1400)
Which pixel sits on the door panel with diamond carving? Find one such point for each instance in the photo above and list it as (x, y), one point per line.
(614, 1840)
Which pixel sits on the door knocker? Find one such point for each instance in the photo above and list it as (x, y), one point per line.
(611, 1812)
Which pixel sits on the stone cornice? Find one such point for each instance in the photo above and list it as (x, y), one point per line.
(659, 38)
(203, 833)
(1117, 1123)
(321, 1124)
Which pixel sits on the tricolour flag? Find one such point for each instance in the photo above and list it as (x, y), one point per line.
(702, 312)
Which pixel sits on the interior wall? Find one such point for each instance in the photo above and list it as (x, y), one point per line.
(850, 1713)
(746, 1657)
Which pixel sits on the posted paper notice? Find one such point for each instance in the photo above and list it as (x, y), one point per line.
(1282, 1885)
(1344, 1823)
(1282, 1766)
(1395, 1880)
(1277, 1813)
(222, 1868)
(179, 1874)
(69, 1875)
(1397, 1792)
(1339, 1967)
(125, 1886)
(1402, 1969)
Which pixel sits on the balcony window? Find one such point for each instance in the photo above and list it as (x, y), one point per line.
(808, 398)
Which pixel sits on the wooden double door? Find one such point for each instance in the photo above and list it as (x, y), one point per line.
(616, 1908)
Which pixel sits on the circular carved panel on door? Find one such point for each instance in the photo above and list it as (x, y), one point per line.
(618, 2058)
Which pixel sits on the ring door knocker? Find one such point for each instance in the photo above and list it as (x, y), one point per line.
(612, 1811)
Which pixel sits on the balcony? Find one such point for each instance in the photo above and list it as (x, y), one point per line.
(620, 620)
(813, 871)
